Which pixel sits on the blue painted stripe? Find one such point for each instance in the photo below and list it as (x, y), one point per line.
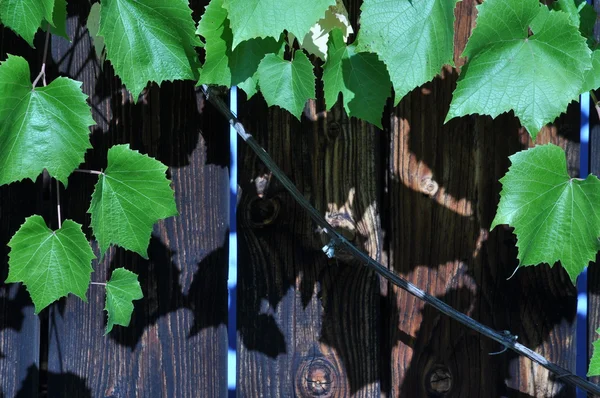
(581, 363)
(232, 281)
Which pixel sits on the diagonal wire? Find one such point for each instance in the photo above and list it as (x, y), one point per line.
(338, 241)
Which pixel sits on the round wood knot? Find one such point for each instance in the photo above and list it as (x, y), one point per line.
(262, 212)
(439, 380)
(429, 186)
(333, 130)
(316, 377)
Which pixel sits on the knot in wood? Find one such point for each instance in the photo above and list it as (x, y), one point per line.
(333, 130)
(261, 212)
(429, 186)
(439, 380)
(316, 377)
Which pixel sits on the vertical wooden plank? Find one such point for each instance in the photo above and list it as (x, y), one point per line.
(307, 326)
(19, 327)
(443, 192)
(176, 344)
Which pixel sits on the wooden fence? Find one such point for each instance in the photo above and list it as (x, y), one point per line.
(418, 196)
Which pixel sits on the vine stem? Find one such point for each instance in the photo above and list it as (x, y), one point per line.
(503, 337)
(42, 73)
(88, 171)
(98, 283)
(596, 105)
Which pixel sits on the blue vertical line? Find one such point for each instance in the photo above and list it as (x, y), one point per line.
(232, 280)
(581, 363)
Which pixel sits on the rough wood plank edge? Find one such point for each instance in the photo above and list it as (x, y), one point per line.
(338, 241)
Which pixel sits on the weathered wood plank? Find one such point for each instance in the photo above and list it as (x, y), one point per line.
(307, 325)
(176, 344)
(443, 191)
(19, 327)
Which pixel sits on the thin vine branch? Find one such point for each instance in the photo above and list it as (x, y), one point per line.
(88, 171)
(596, 105)
(337, 240)
(42, 73)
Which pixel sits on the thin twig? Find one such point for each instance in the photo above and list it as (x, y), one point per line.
(596, 105)
(58, 204)
(88, 171)
(42, 73)
(98, 283)
(506, 339)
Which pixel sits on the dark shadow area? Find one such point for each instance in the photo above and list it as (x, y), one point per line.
(159, 279)
(71, 384)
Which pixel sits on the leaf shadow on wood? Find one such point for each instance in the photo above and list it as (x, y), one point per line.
(72, 385)
(160, 278)
(424, 233)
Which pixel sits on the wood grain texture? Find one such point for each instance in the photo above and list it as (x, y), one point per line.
(176, 344)
(443, 192)
(307, 326)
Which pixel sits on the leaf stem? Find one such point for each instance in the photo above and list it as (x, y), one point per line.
(596, 105)
(42, 73)
(88, 171)
(98, 283)
(58, 204)
(337, 240)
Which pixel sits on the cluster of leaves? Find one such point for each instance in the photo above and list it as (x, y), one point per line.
(523, 57)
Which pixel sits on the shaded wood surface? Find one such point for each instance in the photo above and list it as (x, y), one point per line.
(176, 344)
(443, 193)
(418, 196)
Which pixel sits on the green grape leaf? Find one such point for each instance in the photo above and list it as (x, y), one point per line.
(223, 66)
(58, 25)
(414, 38)
(287, 84)
(122, 288)
(152, 40)
(533, 65)
(594, 368)
(315, 41)
(591, 80)
(250, 86)
(361, 78)
(41, 128)
(252, 19)
(129, 198)
(25, 17)
(93, 26)
(555, 217)
(51, 264)
(580, 13)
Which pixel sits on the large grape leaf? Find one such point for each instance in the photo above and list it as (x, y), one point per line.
(222, 65)
(594, 368)
(41, 128)
(51, 264)
(413, 37)
(533, 65)
(150, 40)
(269, 18)
(287, 84)
(58, 25)
(25, 17)
(122, 288)
(555, 217)
(315, 41)
(591, 80)
(360, 77)
(129, 197)
(580, 13)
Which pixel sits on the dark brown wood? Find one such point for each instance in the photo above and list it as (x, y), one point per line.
(444, 190)
(307, 325)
